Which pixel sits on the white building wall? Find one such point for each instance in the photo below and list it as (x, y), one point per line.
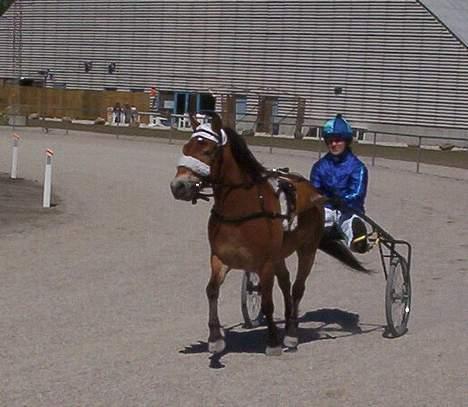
(396, 63)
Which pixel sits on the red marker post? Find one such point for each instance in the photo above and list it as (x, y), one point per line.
(47, 179)
(14, 157)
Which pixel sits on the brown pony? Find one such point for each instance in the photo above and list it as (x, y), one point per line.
(245, 228)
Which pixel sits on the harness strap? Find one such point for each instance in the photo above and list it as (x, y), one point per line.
(240, 219)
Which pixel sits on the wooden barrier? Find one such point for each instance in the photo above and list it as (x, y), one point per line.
(77, 104)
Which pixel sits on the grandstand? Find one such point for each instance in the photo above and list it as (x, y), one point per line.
(385, 64)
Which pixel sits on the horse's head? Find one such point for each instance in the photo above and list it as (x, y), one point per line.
(198, 156)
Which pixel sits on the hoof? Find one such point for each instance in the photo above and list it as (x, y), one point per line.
(217, 346)
(276, 351)
(290, 342)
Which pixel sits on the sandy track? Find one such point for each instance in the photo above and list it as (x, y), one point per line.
(103, 300)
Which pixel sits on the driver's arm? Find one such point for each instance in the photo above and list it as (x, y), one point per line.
(357, 187)
(315, 177)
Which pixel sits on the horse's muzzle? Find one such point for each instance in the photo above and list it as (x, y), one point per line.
(184, 189)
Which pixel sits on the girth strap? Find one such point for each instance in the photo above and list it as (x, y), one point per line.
(250, 216)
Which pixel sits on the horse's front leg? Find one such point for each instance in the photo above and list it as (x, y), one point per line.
(267, 279)
(216, 343)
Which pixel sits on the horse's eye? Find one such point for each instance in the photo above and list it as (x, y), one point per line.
(200, 140)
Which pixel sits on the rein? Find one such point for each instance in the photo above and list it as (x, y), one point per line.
(207, 182)
(235, 219)
(245, 218)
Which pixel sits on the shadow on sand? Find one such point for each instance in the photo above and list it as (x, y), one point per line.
(334, 324)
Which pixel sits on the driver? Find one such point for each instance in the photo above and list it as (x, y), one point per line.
(342, 177)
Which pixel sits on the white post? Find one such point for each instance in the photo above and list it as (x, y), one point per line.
(47, 179)
(14, 157)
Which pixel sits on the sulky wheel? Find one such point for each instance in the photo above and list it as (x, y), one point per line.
(398, 297)
(251, 300)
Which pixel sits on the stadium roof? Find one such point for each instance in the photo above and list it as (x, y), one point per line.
(452, 13)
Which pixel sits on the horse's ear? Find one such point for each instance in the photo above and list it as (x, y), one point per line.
(193, 121)
(216, 123)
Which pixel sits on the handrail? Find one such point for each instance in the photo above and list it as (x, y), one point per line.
(419, 146)
(372, 152)
(388, 133)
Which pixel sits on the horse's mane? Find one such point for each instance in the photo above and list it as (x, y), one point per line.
(243, 156)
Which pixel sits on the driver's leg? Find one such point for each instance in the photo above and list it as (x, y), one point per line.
(332, 229)
(355, 231)
(331, 217)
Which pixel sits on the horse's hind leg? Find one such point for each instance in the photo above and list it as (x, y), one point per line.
(282, 274)
(306, 256)
(216, 343)
(267, 279)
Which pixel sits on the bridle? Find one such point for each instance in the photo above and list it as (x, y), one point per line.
(203, 171)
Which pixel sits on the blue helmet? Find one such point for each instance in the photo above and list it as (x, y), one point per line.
(337, 127)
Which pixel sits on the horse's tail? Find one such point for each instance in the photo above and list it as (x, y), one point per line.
(337, 249)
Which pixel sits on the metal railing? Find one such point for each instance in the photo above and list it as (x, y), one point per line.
(420, 145)
(376, 144)
(383, 144)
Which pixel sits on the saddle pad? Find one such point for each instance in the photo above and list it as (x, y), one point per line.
(290, 222)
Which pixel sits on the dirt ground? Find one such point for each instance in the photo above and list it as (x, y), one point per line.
(103, 300)
(20, 203)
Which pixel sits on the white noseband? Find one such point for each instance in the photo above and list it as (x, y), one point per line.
(197, 166)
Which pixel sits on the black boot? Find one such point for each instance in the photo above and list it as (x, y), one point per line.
(359, 243)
